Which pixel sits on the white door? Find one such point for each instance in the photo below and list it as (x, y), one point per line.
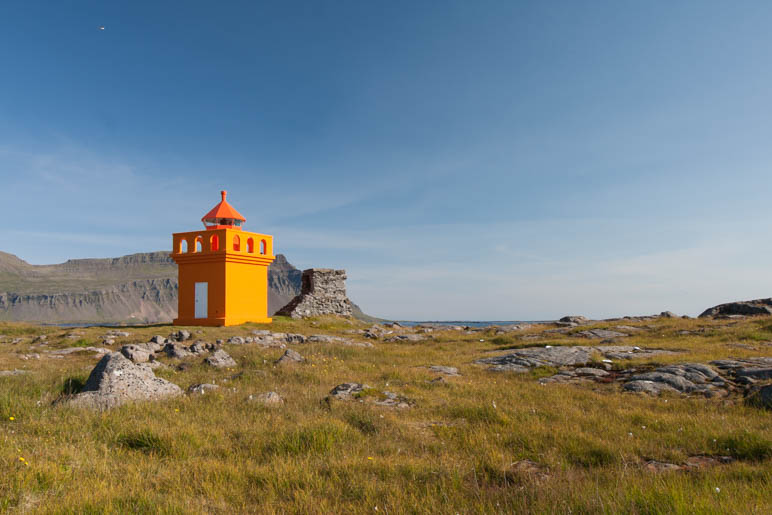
(201, 306)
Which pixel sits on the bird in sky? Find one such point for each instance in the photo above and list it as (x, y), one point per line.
(102, 27)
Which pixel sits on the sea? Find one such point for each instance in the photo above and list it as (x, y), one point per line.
(470, 323)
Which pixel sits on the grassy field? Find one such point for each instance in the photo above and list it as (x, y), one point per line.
(458, 449)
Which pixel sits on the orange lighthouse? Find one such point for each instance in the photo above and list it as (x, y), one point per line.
(223, 271)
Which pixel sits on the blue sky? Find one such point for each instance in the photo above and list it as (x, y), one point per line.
(462, 160)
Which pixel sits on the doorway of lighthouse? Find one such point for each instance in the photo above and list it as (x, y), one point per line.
(201, 310)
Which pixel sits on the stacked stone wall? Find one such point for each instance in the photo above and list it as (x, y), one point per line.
(323, 292)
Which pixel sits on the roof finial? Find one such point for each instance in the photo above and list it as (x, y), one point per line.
(223, 193)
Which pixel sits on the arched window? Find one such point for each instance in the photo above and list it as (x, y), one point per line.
(199, 243)
(250, 246)
(183, 246)
(263, 247)
(237, 243)
(214, 243)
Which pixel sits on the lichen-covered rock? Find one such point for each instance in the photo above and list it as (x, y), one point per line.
(177, 351)
(601, 334)
(9, 373)
(348, 391)
(290, 356)
(201, 389)
(407, 338)
(392, 400)
(522, 360)
(287, 337)
(647, 386)
(441, 369)
(590, 372)
(746, 370)
(181, 335)
(116, 380)
(323, 338)
(573, 320)
(136, 353)
(323, 292)
(220, 359)
(268, 398)
(198, 348)
(158, 339)
(684, 378)
(742, 308)
(540, 356)
(355, 391)
(72, 350)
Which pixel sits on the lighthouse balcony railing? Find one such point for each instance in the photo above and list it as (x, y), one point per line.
(221, 241)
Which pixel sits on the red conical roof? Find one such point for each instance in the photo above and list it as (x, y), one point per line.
(223, 210)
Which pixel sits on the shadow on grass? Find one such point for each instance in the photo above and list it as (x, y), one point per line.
(745, 445)
(72, 385)
(145, 441)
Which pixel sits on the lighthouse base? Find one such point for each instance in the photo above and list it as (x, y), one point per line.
(220, 322)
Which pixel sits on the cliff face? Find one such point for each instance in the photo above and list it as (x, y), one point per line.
(139, 288)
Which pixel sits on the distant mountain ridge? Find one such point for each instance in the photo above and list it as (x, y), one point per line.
(137, 288)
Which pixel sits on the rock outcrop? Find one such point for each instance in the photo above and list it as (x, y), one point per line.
(522, 360)
(364, 393)
(323, 292)
(116, 380)
(744, 308)
(601, 334)
(747, 370)
(573, 320)
(685, 378)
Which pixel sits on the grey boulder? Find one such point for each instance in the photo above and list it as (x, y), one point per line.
(268, 398)
(136, 353)
(290, 356)
(177, 351)
(743, 308)
(181, 335)
(441, 369)
(201, 389)
(573, 320)
(348, 391)
(220, 359)
(116, 380)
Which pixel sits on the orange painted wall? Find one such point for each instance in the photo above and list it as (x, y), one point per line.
(237, 279)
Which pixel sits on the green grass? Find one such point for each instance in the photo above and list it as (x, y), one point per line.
(745, 445)
(455, 451)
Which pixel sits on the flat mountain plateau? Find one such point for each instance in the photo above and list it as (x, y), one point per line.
(331, 415)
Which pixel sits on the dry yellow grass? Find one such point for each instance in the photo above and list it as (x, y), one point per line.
(453, 452)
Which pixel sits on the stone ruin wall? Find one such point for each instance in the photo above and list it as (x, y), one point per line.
(323, 292)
